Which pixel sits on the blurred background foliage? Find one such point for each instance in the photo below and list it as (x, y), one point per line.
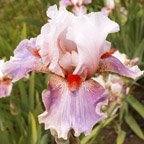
(20, 19)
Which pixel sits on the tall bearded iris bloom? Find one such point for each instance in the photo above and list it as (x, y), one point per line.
(72, 48)
(78, 5)
(110, 6)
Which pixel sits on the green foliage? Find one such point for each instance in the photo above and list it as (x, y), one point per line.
(130, 39)
(139, 107)
(20, 19)
(18, 115)
(121, 137)
(130, 120)
(91, 138)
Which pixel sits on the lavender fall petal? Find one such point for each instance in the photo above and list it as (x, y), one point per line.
(26, 58)
(78, 110)
(5, 82)
(5, 88)
(112, 64)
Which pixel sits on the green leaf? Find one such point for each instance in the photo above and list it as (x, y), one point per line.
(22, 90)
(121, 137)
(109, 120)
(44, 139)
(136, 105)
(95, 132)
(32, 90)
(21, 140)
(133, 125)
(33, 129)
(139, 52)
(24, 32)
(97, 129)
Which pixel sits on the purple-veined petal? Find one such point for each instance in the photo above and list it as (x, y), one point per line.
(5, 87)
(89, 32)
(69, 61)
(5, 82)
(66, 109)
(113, 64)
(26, 59)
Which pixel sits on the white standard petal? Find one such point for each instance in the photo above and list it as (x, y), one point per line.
(49, 36)
(89, 32)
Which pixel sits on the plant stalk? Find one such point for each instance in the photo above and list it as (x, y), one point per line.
(70, 140)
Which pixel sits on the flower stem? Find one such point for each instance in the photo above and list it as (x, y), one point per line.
(71, 138)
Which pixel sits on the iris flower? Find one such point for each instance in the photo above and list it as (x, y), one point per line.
(75, 2)
(78, 5)
(72, 48)
(110, 6)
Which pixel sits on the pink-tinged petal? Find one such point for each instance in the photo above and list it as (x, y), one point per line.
(78, 109)
(66, 62)
(89, 32)
(26, 59)
(75, 58)
(69, 61)
(79, 10)
(65, 44)
(49, 50)
(48, 40)
(112, 64)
